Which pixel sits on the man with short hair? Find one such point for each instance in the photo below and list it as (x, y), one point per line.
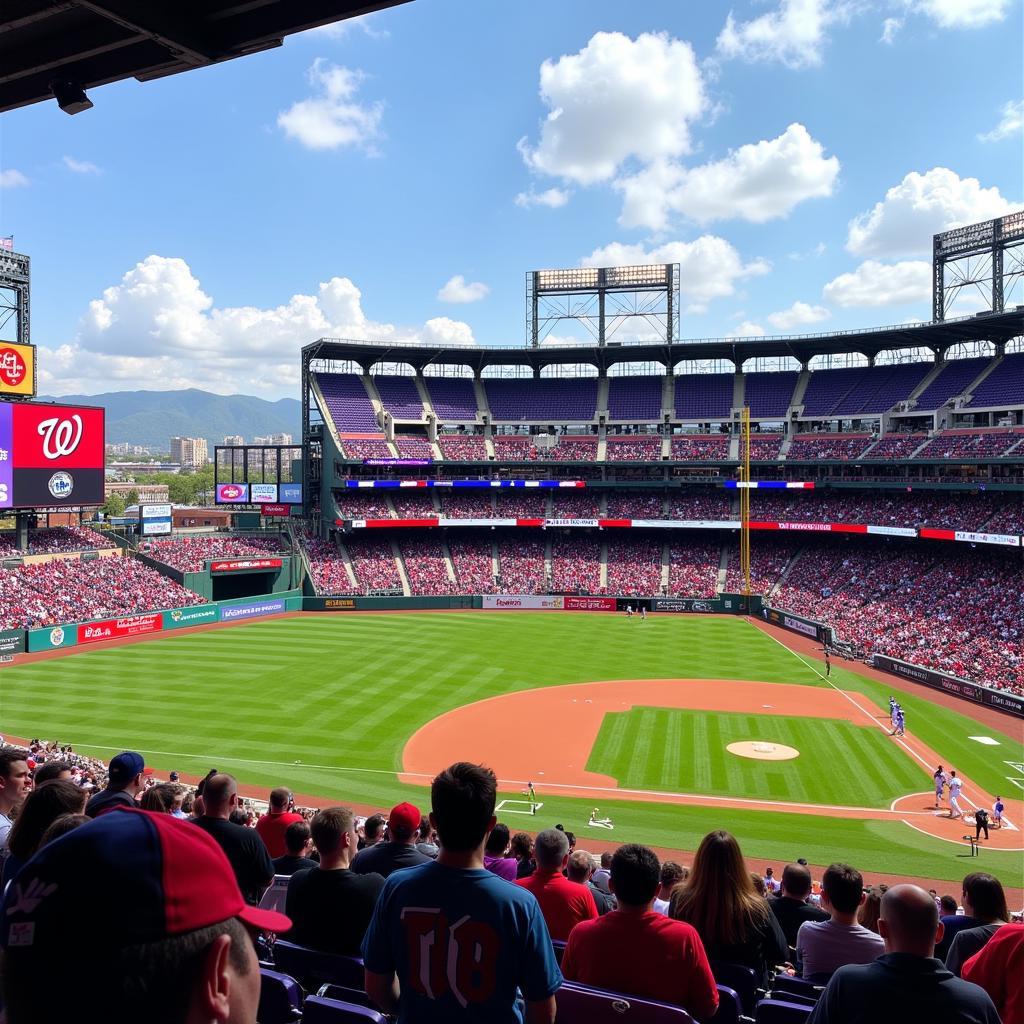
(272, 826)
(638, 952)
(329, 904)
(563, 903)
(450, 941)
(824, 946)
(790, 907)
(400, 849)
(581, 869)
(982, 898)
(244, 848)
(603, 873)
(126, 778)
(298, 843)
(373, 831)
(50, 770)
(671, 875)
(15, 785)
(169, 934)
(907, 983)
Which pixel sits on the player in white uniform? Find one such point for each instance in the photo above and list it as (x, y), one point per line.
(955, 785)
(940, 782)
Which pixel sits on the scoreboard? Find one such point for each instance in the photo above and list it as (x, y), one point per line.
(51, 456)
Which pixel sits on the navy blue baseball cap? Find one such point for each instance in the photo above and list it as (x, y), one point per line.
(126, 766)
(128, 877)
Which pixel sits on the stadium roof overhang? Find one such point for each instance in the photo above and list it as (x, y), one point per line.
(93, 42)
(938, 336)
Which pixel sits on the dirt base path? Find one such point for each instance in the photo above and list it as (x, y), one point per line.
(555, 729)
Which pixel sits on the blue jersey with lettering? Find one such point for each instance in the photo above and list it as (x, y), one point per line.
(464, 944)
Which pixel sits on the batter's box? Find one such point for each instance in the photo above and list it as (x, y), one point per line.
(518, 807)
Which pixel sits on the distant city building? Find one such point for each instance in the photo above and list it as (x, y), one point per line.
(146, 492)
(234, 439)
(116, 470)
(123, 448)
(273, 439)
(190, 452)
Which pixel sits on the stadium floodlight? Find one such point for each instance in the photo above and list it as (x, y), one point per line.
(70, 96)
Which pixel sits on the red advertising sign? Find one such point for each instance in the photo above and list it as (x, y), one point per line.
(275, 510)
(241, 564)
(588, 604)
(111, 629)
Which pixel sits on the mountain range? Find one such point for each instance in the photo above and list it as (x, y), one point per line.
(152, 418)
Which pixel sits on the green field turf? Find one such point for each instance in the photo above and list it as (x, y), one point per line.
(342, 693)
(670, 750)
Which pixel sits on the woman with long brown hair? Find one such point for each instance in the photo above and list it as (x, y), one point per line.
(42, 806)
(735, 924)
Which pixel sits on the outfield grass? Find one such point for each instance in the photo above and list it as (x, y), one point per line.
(670, 750)
(342, 694)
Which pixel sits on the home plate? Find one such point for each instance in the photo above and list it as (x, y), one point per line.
(986, 741)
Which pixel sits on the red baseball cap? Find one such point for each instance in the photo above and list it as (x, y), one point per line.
(135, 876)
(404, 818)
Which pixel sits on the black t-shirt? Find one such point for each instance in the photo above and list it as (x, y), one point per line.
(387, 857)
(246, 852)
(331, 910)
(107, 798)
(791, 913)
(289, 864)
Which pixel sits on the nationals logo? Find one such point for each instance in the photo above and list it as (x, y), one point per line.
(60, 437)
(12, 367)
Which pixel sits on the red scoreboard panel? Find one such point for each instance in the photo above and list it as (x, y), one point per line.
(50, 455)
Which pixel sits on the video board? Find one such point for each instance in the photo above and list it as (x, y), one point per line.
(51, 456)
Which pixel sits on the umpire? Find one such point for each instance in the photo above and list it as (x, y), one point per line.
(980, 822)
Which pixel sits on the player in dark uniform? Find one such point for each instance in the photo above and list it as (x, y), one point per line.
(980, 822)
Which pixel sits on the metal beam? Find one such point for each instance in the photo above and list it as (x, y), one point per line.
(159, 22)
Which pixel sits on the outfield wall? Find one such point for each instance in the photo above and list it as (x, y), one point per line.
(798, 624)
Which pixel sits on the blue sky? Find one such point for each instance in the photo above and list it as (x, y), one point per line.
(794, 156)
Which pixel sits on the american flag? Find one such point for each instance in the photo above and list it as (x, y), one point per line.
(7, 242)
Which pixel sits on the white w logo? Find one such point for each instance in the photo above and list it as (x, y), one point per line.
(60, 437)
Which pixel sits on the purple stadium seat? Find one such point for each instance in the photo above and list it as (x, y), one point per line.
(768, 394)
(580, 1004)
(547, 400)
(704, 396)
(317, 1010)
(779, 1011)
(729, 1007)
(347, 401)
(453, 398)
(742, 980)
(346, 995)
(280, 998)
(634, 399)
(1004, 386)
(784, 986)
(314, 968)
(952, 379)
(400, 397)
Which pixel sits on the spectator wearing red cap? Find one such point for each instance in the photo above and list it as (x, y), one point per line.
(330, 904)
(563, 903)
(272, 826)
(400, 849)
(165, 917)
(126, 778)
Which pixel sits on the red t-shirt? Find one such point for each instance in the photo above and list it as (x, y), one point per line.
(563, 903)
(647, 955)
(999, 970)
(271, 829)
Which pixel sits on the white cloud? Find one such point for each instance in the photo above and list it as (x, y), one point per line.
(340, 29)
(333, 118)
(81, 166)
(12, 179)
(757, 182)
(1009, 124)
(709, 266)
(458, 289)
(157, 327)
(800, 314)
(875, 284)
(920, 206)
(616, 99)
(889, 29)
(963, 13)
(747, 329)
(792, 35)
(552, 197)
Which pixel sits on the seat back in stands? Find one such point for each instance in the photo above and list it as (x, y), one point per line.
(344, 994)
(742, 980)
(318, 1010)
(580, 1004)
(729, 1007)
(280, 998)
(314, 968)
(781, 1011)
(784, 986)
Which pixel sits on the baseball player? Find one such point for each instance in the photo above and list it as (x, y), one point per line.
(643, 614)
(901, 722)
(531, 795)
(940, 782)
(892, 713)
(997, 813)
(955, 785)
(828, 665)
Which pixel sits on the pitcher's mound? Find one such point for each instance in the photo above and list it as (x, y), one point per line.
(762, 751)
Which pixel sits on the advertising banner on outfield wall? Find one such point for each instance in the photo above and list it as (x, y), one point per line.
(112, 629)
(12, 641)
(797, 624)
(246, 565)
(683, 604)
(517, 602)
(180, 618)
(51, 637)
(1009, 702)
(588, 604)
(233, 612)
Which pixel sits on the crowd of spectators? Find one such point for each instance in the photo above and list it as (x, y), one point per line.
(576, 564)
(764, 447)
(700, 447)
(353, 503)
(635, 505)
(641, 448)
(840, 447)
(467, 504)
(413, 503)
(473, 560)
(693, 568)
(72, 590)
(714, 507)
(521, 565)
(55, 540)
(634, 566)
(521, 504)
(575, 504)
(635, 926)
(373, 562)
(326, 566)
(574, 449)
(514, 448)
(768, 560)
(970, 444)
(366, 448)
(189, 554)
(895, 446)
(462, 447)
(414, 447)
(426, 566)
